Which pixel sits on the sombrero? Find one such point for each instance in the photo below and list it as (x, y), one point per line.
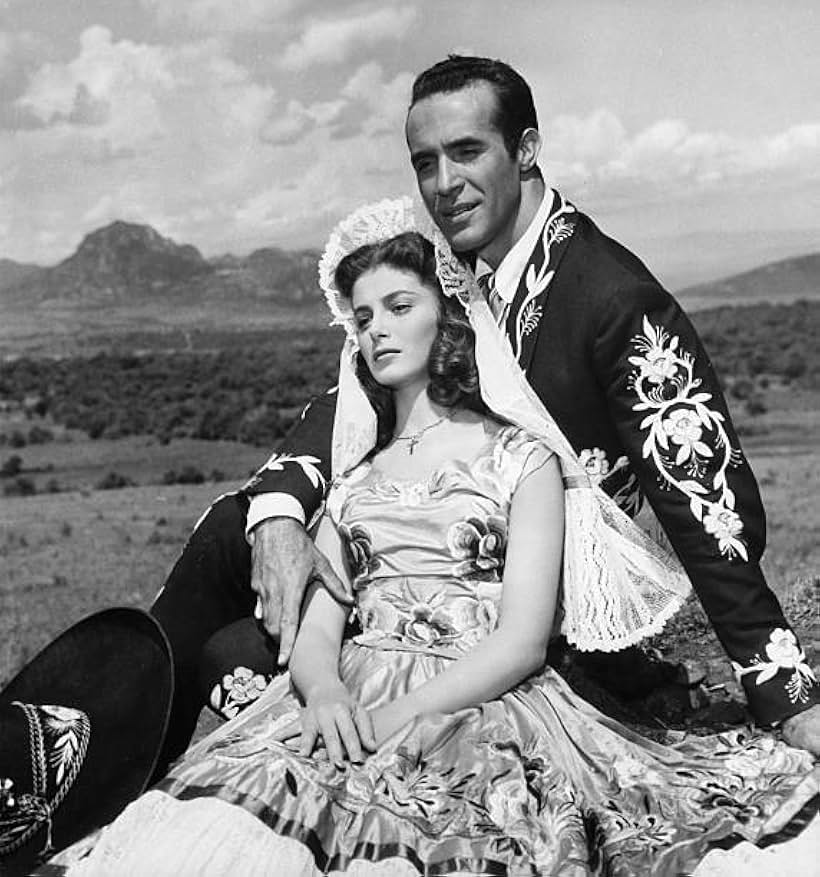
(80, 730)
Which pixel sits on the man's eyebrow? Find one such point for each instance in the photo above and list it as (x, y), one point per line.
(469, 140)
(459, 143)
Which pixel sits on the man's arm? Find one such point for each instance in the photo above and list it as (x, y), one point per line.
(667, 406)
(292, 481)
(284, 494)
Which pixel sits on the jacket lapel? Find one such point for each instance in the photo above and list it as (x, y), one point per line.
(530, 298)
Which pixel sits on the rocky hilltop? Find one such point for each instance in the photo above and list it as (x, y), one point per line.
(126, 263)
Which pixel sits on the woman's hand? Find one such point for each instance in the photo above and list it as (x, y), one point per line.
(331, 716)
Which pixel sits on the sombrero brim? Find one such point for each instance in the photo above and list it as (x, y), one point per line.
(116, 666)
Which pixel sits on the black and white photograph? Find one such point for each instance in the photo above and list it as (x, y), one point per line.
(409, 419)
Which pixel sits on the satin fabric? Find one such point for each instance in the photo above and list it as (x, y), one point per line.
(535, 782)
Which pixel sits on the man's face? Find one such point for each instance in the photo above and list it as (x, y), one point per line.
(469, 182)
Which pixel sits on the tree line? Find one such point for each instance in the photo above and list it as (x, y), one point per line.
(253, 388)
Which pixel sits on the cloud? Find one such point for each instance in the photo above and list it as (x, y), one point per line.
(667, 157)
(367, 105)
(333, 40)
(184, 138)
(18, 51)
(219, 17)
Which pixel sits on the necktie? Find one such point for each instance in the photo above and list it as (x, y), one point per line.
(497, 304)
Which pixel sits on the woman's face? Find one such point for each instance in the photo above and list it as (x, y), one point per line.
(396, 317)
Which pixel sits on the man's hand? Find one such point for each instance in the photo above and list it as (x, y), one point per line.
(283, 561)
(332, 717)
(803, 730)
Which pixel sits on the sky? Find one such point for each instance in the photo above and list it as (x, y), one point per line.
(688, 129)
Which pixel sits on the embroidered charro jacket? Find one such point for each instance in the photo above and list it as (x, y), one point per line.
(624, 374)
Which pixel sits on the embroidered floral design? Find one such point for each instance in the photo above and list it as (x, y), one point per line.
(687, 440)
(277, 463)
(237, 690)
(479, 545)
(414, 787)
(65, 725)
(423, 619)
(783, 653)
(556, 229)
(596, 465)
(358, 547)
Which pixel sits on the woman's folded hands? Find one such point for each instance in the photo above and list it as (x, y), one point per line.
(333, 725)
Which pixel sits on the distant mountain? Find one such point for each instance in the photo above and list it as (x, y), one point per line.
(287, 276)
(12, 273)
(778, 282)
(125, 263)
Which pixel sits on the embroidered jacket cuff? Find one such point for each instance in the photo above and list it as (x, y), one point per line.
(774, 701)
(272, 505)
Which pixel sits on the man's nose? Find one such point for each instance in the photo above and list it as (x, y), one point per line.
(447, 178)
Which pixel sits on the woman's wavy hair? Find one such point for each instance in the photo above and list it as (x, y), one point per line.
(451, 364)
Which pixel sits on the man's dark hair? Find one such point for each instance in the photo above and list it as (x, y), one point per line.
(515, 109)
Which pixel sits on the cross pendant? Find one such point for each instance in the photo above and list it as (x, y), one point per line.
(411, 445)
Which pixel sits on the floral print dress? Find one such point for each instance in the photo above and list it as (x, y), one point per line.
(536, 782)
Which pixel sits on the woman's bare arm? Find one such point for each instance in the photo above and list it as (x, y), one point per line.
(330, 712)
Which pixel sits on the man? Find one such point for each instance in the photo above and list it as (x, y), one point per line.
(609, 352)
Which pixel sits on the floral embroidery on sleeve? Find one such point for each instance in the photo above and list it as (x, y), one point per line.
(687, 440)
(277, 463)
(783, 653)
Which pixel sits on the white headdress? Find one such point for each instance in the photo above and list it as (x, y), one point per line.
(618, 585)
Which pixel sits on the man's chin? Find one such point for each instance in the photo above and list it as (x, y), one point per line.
(463, 241)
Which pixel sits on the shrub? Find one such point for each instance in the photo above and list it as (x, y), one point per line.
(114, 481)
(13, 466)
(187, 475)
(21, 486)
(39, 435)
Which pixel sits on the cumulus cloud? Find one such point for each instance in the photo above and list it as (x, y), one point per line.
(332, 40)
(598, 152)
(186, 139)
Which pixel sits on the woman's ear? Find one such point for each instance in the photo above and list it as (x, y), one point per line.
(529, 146)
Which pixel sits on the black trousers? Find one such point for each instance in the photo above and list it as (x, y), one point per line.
(208, 591)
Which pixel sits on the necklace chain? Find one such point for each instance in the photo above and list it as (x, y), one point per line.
(415, 437)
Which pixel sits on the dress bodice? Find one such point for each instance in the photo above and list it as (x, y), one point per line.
(427, 557)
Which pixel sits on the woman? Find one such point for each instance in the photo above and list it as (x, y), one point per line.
(436, 741)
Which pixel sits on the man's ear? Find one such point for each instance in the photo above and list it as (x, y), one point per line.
(528, 148)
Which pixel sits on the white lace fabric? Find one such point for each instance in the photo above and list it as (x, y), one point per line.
(618, 585)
